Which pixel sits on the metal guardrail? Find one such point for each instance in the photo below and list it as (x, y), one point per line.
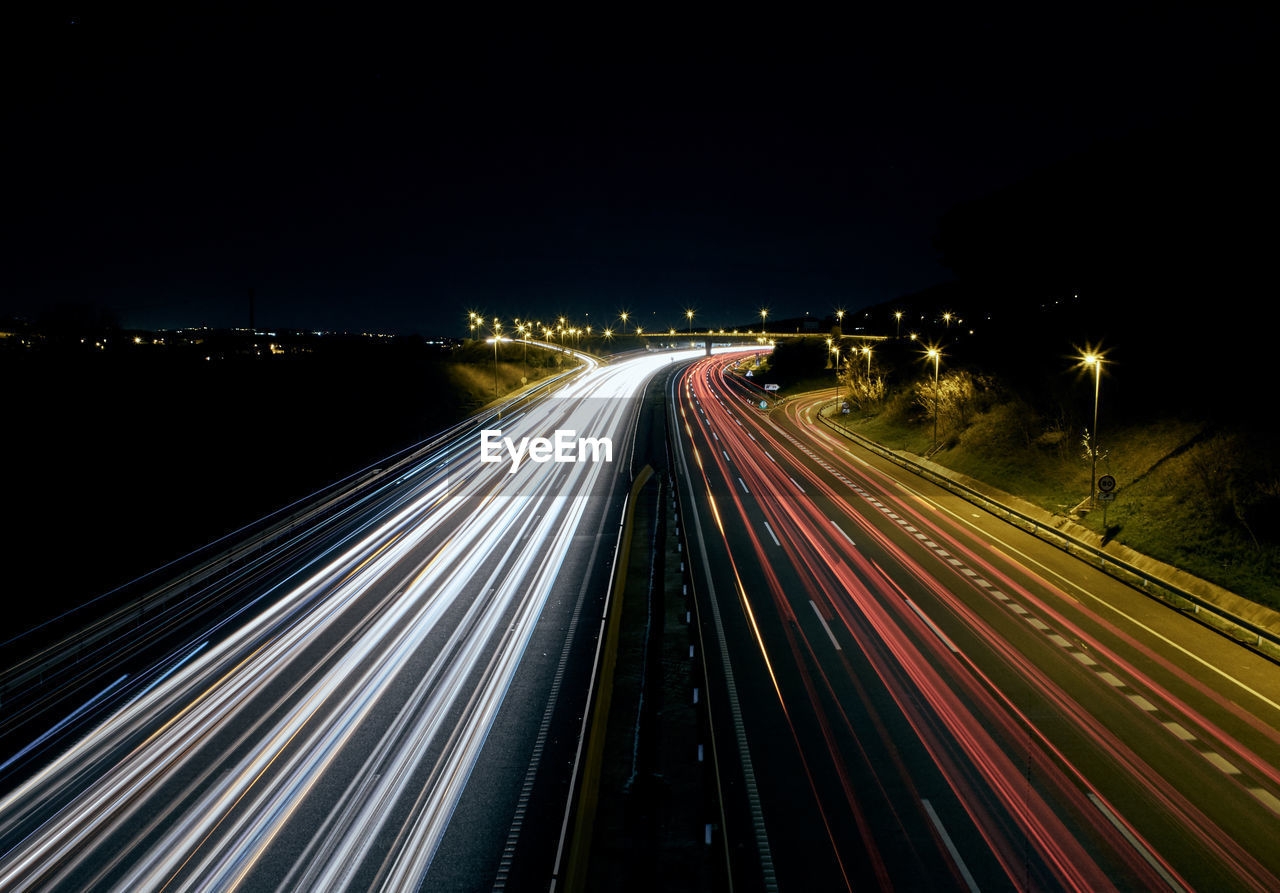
(1239, 629)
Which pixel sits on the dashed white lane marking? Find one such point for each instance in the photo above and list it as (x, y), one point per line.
(933, 626)
(772, 534)
(1142, 703)
(951, 847)
(823, 621)
(1265, 797)
(1218, 762)
(1136, 843)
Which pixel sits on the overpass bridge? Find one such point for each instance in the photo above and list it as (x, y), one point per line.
(721, 338)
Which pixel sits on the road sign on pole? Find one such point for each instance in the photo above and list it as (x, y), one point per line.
(1106, 483)
(771, 387)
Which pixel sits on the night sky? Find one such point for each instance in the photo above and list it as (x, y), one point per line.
(373, 171)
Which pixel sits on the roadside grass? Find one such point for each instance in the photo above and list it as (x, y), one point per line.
(1160, 509)
(472, 376)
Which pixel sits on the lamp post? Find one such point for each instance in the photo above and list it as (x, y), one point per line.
(935, 355)
(763, 314)
(867, 351)
(524, 334)
(689, 315)
(624, 321)
(835, 349)
(497, 334)
(897, 333)
(1094, 360)
(840, 320)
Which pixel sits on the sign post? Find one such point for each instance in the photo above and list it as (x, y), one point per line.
(1106, 495)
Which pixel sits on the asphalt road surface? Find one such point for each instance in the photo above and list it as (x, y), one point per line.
(912, 694)
(387, 708)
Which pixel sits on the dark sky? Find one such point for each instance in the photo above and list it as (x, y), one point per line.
(378, 171)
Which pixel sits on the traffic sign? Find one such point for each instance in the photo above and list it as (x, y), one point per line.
(1108, 496)
(1106, 483)
(749, 374)
(764, 404)
(771, 387)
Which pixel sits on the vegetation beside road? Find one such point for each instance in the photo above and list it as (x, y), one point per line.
(470, 370)
(127, 456)
(1198, 491)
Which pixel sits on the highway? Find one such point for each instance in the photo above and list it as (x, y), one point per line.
(912, 694)
(378, 712)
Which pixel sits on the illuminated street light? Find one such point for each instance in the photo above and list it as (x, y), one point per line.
(867, 351)
(763, 314)
(1094, 360)
(835, 349)
(936, 355)
(946, 317)
(689, 315)
(897, 314)
(497, 336)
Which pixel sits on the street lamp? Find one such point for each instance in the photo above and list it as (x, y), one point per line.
(867, 351)
(946, 317)
(763, 314)
(689, 314)
(835, 349)
(936, 355)
(497, 335)
(840, 320)
(897, 333)
(1094, 360)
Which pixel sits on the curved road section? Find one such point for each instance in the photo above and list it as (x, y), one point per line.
(379, 720)
(919, 696)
